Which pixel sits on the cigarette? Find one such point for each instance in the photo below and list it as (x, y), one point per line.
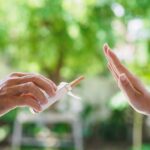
(76, 81)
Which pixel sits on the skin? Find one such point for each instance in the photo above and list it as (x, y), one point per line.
(24, 89)
(132, 87)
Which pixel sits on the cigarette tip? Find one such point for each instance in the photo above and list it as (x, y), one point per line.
(77, 81)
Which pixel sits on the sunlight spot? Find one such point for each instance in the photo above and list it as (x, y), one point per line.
(118, 9)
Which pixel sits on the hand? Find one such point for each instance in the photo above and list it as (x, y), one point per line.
(24, 89)
(138, 96)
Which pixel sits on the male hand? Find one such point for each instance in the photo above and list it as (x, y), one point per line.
(24, 89)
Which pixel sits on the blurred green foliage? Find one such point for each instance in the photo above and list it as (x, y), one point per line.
(64, 38)
(145, 147)
(61, 38)
(117, 122)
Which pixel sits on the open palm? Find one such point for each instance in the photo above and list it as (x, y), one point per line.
(138, 96)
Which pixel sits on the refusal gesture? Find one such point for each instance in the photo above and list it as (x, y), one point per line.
(137, 94)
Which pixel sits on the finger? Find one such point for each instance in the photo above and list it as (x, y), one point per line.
(113, 73)
(109, 65)
(120, 68)
(106, 52)
(117, 78)
(127, 87)
(105, 47)
(24, 100)
(117, 65)
(40, 82)
(133, 96)
(28, 89)
(17, 74)
(21, 74)
(113, 60)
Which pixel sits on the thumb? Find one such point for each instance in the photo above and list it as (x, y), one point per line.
(127, 87)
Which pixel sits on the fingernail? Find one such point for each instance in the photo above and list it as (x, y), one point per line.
(53, 92)
(123, 77)
(105, 46)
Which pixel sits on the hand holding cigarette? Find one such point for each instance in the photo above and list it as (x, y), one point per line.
(63, 89)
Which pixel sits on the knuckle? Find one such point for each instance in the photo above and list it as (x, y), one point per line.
(35, 76)
(124, 82)
(10, 81)
(30, 85)
(12, 74)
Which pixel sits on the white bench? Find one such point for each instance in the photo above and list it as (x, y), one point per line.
(18, 138)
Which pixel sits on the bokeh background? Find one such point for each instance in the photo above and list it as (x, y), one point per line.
(63, 39)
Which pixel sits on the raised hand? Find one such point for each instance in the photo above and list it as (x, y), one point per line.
(137, 94)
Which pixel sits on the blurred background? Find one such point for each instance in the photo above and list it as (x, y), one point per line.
(63, 39)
